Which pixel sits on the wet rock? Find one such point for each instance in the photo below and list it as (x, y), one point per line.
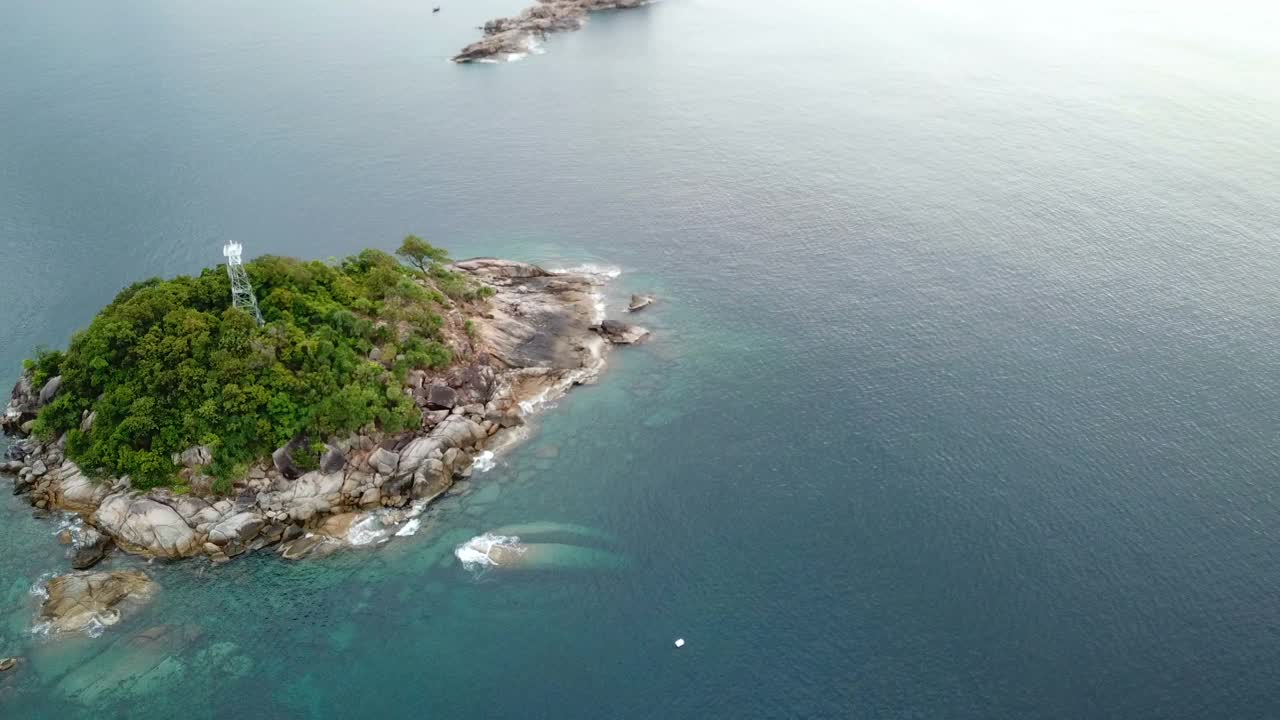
(639, 302)
(77, 601)
(7, 664)
(620, 333)
(64, 537)
(300, 548)
(90, 549)
(339, 525)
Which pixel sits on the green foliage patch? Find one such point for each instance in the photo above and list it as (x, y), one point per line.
(170, 364)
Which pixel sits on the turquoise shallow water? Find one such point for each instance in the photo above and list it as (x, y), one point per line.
(962, 401)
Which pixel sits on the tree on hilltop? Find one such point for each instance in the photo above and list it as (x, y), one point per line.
(421, 254)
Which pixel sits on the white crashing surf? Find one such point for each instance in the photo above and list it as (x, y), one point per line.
(409, 528)
(597, 308)
(535, 403)
(40, 588)
(367, 530)
(609, 271)
(484, 462)
(477, 553)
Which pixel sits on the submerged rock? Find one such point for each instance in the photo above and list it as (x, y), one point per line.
(83, 600)
(7, 664)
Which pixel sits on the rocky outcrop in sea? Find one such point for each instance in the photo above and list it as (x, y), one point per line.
(538, 335)
(515, 35)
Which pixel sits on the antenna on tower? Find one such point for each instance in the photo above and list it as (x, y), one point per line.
(241, 289)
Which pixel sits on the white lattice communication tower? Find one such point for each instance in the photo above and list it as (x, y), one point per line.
(241, 289)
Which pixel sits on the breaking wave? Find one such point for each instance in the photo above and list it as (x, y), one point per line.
(368, 530)
(484, 462)
(477, 553)
(609, 271)
(409, 528)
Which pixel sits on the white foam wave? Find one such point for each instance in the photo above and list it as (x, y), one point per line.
(367, 530)
(535, 403)
(477, 553)
(40, 588)
(409, 528)
(597, 308)
(484, 462)
(609, 271)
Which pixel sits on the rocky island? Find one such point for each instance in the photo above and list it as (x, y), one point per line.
(505, 37)
(176, 427)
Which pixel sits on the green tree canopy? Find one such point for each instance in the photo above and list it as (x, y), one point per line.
(170, 364)
(421, 254)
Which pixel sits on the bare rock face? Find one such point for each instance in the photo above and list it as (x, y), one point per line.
(441, 397)
(514, 35)
(24, 402)
(537, 318)
(194, 456)
(141, 524)
(81, 600)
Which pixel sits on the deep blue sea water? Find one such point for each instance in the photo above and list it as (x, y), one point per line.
(964, 399)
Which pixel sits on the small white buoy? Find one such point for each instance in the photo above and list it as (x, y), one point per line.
(679, 642)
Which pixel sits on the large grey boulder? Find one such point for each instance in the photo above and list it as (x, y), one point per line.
(240, 528)
(332, 460)
(283, 461)
(441, 397)
(384, 461)
(142, 525)
(458, 431)
(195, 456)
(72, 490)
(431, 480)
(50, 390)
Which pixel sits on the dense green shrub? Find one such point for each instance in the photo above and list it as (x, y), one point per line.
(169, 364)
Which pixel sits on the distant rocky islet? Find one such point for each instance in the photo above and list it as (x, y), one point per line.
(514, 36)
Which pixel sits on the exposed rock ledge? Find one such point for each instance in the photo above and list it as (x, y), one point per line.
(536, 338)
(515, 35)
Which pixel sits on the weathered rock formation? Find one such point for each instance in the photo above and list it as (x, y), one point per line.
(640, 302)
(81, 600)
(532, 340)
(515, 35)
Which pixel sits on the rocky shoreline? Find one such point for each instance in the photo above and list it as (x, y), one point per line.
(538, 335)
(505, 37)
